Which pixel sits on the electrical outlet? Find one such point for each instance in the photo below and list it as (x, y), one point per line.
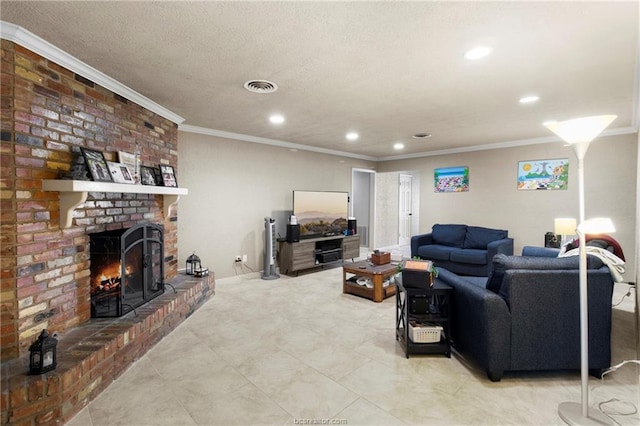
(244, 258)
(238, 259)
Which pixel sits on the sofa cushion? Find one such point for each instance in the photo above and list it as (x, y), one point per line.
(448, 235)
(435, 252)
(503, 262)
(478, 237)
(473, 256)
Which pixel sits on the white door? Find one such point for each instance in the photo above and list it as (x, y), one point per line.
(404, 214)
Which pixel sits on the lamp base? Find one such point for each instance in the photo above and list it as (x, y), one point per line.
(571, 413)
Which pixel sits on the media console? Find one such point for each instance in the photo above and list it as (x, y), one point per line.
(314, 252)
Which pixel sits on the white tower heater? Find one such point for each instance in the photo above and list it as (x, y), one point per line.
(269, 272)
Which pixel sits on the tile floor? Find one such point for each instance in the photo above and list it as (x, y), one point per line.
(296, 349)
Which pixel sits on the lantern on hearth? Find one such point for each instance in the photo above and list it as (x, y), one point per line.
(42, 357)
(193, 264)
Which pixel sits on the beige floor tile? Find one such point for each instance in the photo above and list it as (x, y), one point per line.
(296, 348)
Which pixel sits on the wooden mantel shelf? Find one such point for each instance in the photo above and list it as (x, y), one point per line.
(73, 193)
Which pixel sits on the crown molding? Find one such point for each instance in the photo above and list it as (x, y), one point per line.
(273, 142)
(507, 144)
(28, 40)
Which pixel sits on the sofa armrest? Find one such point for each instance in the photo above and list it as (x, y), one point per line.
(481, 324)
(540, 251)
(420, 240)
(504, 246)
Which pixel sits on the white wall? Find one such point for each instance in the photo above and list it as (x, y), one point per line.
(494, 201)
(234, 185)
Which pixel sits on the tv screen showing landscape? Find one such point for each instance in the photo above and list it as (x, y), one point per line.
(321, 213)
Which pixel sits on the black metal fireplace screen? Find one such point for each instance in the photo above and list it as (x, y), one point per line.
(127, 269)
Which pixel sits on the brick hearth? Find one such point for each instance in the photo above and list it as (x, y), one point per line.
(93, 355)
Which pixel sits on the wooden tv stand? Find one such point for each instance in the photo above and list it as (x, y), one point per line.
(315, 252)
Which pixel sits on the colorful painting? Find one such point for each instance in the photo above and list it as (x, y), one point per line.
(543, 174)
(451, 179)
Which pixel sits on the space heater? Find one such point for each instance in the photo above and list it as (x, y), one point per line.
(269, 272)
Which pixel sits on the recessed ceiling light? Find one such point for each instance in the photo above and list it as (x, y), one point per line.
(352, 136)
(398, 145)
(260, 86)
(276, 119)
(422, 135)
(529, 99)
(477, 52)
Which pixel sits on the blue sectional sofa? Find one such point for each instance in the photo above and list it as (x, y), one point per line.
(526, 314)
(462, 249)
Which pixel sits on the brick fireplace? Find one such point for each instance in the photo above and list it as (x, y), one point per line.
(48, 112)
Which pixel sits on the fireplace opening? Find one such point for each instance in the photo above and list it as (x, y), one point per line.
(127, 269)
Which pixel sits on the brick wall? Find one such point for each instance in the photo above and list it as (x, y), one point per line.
(48, 112)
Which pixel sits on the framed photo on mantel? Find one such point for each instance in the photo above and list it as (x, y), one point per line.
(97, 165)
(119, 172)
(147, 176)
(168, 176)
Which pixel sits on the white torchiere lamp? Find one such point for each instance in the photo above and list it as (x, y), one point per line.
(579, 133)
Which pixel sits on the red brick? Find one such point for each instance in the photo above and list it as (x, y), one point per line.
(36, 390)
(28, 118)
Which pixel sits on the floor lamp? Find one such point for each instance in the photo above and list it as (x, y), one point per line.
(579, 133)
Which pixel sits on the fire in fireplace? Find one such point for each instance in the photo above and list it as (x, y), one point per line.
(127, 269)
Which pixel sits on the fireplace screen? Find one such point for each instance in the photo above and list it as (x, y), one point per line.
(127, 269)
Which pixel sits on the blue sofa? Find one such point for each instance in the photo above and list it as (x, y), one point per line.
(462, 249)
(525, 315)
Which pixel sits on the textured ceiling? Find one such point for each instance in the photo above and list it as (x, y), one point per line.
(384, 69)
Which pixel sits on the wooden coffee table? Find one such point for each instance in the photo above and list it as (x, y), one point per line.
(377, 274)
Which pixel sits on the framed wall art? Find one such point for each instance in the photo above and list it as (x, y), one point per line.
(451, 179)
(168, 176)
(97, 165)
(543, 174)
(119, 172)
(147, 176)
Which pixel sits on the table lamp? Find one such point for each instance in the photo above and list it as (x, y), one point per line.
(564, 226)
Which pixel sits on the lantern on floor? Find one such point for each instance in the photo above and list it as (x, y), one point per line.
(42, 356)
(193, 264)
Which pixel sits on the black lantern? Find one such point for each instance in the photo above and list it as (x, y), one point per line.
(42, 356)
(193, 264)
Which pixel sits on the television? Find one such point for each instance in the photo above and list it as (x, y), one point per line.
(321, 213)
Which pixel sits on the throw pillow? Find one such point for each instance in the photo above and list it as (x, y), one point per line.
(478, 237)
(448, 235)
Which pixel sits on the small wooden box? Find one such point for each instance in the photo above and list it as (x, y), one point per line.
(417, 274)
(381, 258)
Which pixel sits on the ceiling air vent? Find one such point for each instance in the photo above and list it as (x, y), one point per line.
(422, 135)
(260, 86)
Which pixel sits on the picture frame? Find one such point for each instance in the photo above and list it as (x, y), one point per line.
(451, 179)
(147, 176)
(550, 174)
(168, 176)
(97, 165)
(120, 173)
(129, 160)
(156, 174)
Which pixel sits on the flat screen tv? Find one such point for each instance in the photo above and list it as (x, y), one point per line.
(321, 213)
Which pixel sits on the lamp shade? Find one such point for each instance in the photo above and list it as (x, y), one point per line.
(564, 226)
(599, 225)
(580, 130)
